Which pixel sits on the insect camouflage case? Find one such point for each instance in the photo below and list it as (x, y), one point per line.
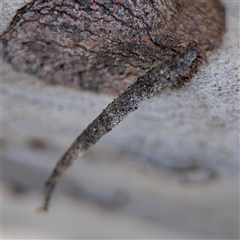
(127, 47)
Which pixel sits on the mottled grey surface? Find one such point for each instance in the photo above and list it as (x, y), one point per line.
(169, 170)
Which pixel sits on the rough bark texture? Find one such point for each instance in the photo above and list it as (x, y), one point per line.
(104, 45)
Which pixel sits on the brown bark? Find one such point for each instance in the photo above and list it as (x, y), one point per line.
(104, 45)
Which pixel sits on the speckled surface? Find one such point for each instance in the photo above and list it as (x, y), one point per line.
(172, 166)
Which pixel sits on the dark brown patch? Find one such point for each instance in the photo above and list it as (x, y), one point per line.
(36, 144)
(3, 142)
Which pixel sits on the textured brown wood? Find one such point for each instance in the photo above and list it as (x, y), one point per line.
(105, 45)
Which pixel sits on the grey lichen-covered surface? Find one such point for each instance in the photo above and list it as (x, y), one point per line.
(170, 170)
